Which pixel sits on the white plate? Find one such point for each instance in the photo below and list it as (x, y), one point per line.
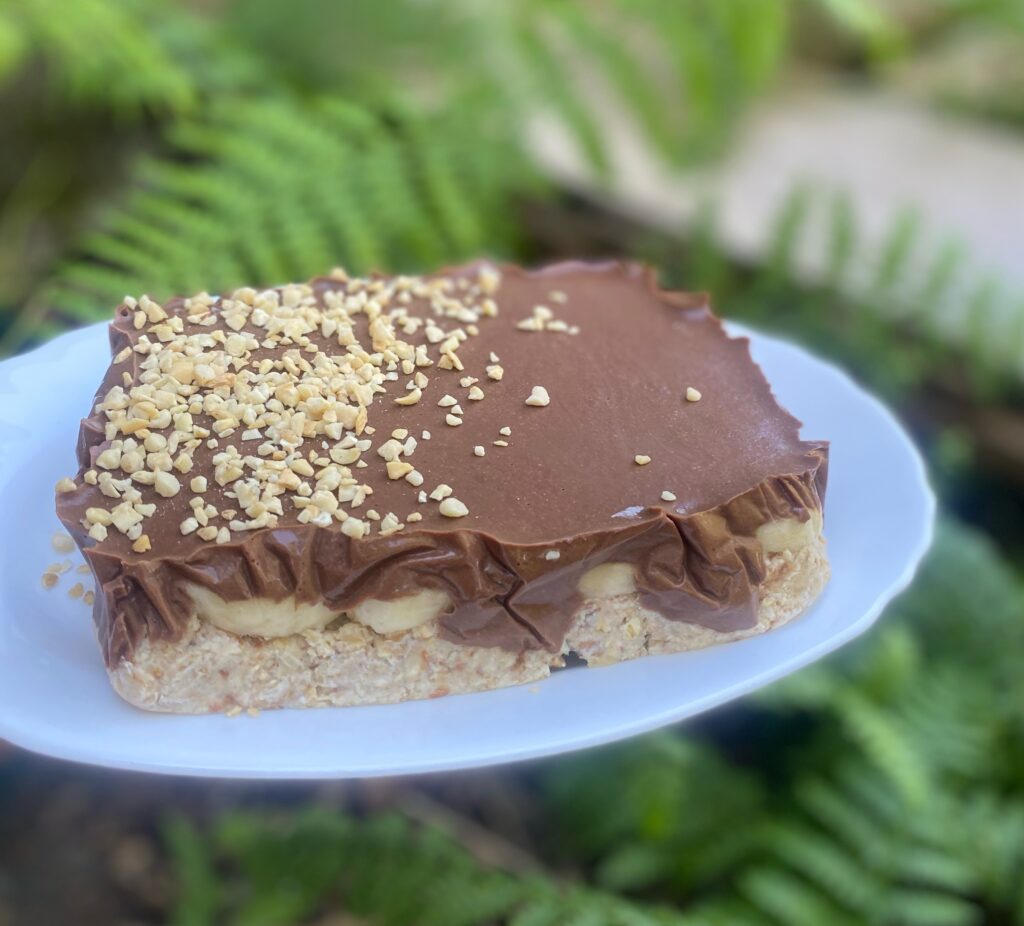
(55, 699)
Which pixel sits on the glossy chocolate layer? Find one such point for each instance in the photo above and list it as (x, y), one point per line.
(566, 484)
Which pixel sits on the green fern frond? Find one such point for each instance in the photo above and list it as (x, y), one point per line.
(14, 43)
(656, 795)
(944, 713)
(929, 908)
(991, 829)
(261, 186)
(864, 847)
(968, 603)
(828, 805)
(885, 829)
(914, 316)
(270, 191)
(824, 861)
(704, 60)
(870, 21)
(882, 736)
(273, 869)
(842, 243)
(790, 901)
(199, 890)
(896, 251)
(115, 52)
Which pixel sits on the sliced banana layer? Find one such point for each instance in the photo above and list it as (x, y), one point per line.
(789, 533)
(401, 613)
(608, 580)
(260, 617)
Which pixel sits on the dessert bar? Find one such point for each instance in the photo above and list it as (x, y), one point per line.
(367, 490)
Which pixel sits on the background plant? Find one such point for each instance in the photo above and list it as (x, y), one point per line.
(173, 146)
(155, 145)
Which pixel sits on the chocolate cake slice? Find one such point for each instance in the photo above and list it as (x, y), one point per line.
(367, 490)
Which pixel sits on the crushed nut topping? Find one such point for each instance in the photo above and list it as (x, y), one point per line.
(166, 485)
(273, 390)
(538, 397)
(641, 459)
(453, 508)
(692, 395)
(411, 397)
(668, 496)
(543, 319)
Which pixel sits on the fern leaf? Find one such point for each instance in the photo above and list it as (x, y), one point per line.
(822, 860)
(537, 911)
(199, 895)
(823, 801)
(789, 900)
(107, 50)
(271, 191)
(625, 72)
(886, 745)
(842, 242)
(790, 223)
(896, 251)
(550, 82)
(869, 20)
(923, 908)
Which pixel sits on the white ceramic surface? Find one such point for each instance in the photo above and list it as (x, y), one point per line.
(55, 698)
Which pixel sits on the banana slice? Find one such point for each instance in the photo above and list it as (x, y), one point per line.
(401, 613)
(260, 617)
(789, 533)
(608, 580)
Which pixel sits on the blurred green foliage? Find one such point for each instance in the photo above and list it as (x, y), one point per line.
(883, 311)
(172, 147)
(162, 147)
(885, 786)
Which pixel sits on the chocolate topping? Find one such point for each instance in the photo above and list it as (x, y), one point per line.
(565, 495)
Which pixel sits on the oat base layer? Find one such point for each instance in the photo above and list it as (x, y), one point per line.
(212, 671)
